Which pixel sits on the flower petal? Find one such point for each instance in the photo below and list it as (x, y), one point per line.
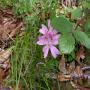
(45, 51)
(41, 37)
(43, 30)
(54, 51)
(54, 31)
(55, 39)
(55, 42)
(42, 42)
(49, 23)
(50, 26)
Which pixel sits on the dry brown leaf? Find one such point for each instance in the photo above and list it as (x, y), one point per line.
(80, 21)
(80, 54)
(62, 67)
(64, 77)
(77, 87)
(4, 55)
(82, 88)
(78, 71)
(14, 32)
(9, 27)
(6, 88)
(3, 74)
(70, 67)
(4, 63)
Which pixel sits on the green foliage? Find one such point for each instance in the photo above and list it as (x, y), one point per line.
(27, 56)
(70, 57)
(66, 43)
(51, 64)
(86, 4)
(62, 24)
(76, 13)
(5, 3)
(22, 7)
(82, 38)
(87, 26)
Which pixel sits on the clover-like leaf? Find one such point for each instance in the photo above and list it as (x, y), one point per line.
(66, 43)
(62, 24)
(76, 13)
(82, 38)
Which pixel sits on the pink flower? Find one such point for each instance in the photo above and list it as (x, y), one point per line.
(49, 39)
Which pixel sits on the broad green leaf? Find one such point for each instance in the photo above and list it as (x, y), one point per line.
(66, 43)
(82, 38)
(86, 4)
(76, 13)
(62, 24)
(87, 25)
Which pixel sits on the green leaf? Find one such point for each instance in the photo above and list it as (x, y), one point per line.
(82, 38)
(76, 13)
(86, 4)
(87, 25)
(66, 43)
(62, 24)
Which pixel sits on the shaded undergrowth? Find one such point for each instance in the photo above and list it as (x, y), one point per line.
(28, 67)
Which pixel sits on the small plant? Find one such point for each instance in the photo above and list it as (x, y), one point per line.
(49, 39)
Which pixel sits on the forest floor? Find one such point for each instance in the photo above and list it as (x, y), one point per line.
(22, 66)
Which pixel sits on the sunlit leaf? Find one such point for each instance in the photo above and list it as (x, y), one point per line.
(87, 25)
(82, 38)
(62, 24)
(76, 13)
(66, 43)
